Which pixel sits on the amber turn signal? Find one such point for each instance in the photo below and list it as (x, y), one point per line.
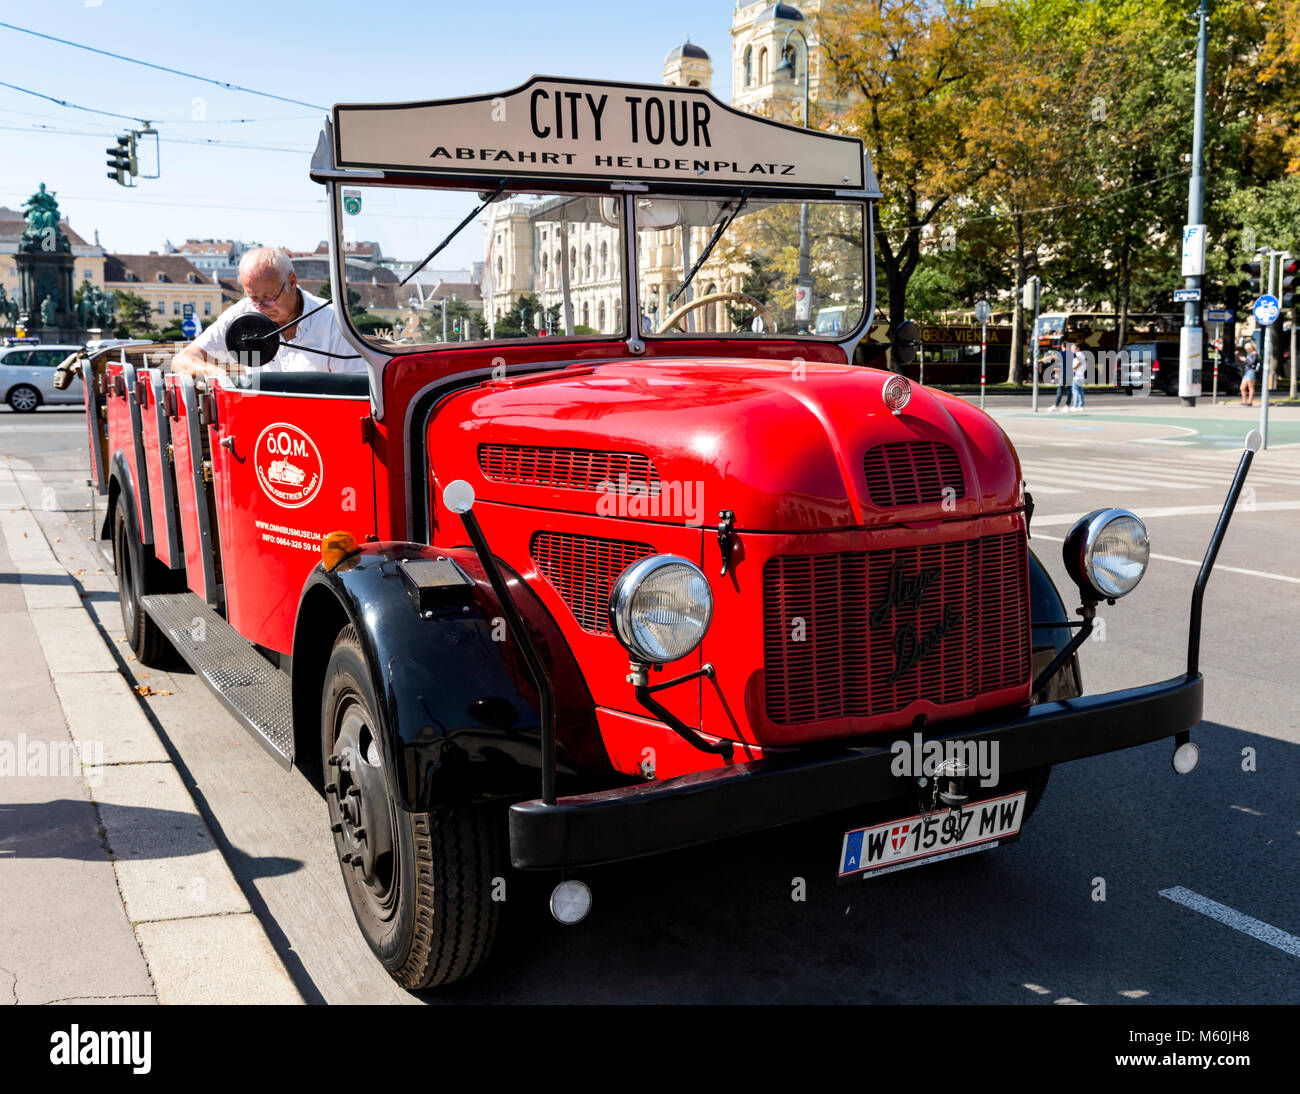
(335, 547)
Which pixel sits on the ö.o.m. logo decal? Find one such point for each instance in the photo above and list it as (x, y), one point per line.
(288, 464)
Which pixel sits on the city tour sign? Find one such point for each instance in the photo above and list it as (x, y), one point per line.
(585, 129)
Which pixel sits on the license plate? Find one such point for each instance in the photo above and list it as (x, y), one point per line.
(926, 838)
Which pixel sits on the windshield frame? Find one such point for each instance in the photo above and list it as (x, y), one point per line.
(848, 339)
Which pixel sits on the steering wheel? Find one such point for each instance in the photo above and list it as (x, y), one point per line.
(668, 323)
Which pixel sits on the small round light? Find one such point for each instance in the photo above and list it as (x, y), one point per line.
(458, 496)
(1106, 553)
(660, 608)
(570, 902)
(1186, 757)
(896, 392)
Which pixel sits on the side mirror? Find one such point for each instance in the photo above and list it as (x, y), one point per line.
(907, 340)
(252, 337)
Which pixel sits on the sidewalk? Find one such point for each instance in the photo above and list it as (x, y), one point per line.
(113, 889)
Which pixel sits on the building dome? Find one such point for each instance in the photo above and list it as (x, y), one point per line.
(686, 49)
(773, 12)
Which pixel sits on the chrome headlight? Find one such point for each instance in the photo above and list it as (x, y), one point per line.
(1106, 553)
(660, 608)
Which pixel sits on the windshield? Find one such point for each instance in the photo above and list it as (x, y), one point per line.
(528, 266)
(749, 267)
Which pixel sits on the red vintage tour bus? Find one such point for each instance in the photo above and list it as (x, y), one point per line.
(673, 574)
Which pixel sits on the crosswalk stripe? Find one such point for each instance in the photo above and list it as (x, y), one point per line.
(1038, 488)
(1136, 476)
(1204, 476)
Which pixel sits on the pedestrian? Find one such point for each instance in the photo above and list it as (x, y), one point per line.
(1080, 375)
(1065, 367)
(1249, 368)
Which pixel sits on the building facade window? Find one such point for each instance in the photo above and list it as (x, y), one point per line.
(762, 65)
(749, 65)
(600, 316)
(176, 307)
(207, 307)
(162, 308)
(586, 314)
(604, 259)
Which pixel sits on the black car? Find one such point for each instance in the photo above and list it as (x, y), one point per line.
(1159, 362)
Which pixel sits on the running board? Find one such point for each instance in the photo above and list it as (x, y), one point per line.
(250, 687)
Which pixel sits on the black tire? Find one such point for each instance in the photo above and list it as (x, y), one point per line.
(143, 635)
(24, 399)
(420, 884)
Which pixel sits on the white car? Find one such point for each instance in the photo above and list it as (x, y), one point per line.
(27, 377)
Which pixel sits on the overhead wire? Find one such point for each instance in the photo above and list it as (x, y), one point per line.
(161, 68)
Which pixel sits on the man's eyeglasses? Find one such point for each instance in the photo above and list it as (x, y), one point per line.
(264, 301)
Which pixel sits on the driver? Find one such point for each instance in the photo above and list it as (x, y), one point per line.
(271, 288)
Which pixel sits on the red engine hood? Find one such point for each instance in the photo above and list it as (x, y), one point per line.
(781, 444)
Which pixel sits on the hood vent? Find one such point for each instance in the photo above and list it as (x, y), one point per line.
(569, 468)
(912, 473)
(583, 570)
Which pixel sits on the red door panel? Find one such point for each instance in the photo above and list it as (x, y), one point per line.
(287, 469)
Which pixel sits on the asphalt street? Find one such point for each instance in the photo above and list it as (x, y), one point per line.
(1198, 873)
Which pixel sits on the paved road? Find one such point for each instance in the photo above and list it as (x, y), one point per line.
(1018, 925)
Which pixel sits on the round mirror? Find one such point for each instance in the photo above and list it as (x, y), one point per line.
(253, 339)
(907, 339)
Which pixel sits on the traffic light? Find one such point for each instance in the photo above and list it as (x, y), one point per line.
(120, 158)
(1255, 286)
(1286, 294)
(132, 161)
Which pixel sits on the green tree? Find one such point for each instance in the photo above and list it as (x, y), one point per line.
(355, 307)
(134, 316)
(908, 66)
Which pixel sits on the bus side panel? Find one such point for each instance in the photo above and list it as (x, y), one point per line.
(187, 496)
(287, 469)
(120, 438)
(155, 451)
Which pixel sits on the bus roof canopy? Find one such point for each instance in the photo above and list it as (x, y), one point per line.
(553, 127)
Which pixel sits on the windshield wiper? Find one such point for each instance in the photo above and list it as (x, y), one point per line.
(723, 225)
(456, 231)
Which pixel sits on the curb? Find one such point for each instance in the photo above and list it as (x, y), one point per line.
(198, 935)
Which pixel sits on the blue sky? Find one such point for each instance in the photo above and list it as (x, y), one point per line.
(323, 52)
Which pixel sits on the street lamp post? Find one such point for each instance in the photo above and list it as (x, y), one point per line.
(1195, 274)
(787, 69)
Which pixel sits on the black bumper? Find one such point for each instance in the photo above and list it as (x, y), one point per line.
(709, 805)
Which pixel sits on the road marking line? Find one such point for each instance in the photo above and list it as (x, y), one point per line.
(1174, 511)
(1036, 489)
(1221, 474)
(1264, 932)
(1197, 562)
(1133, 473)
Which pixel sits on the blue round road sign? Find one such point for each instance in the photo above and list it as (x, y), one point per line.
(1266, 309)
(190, 328)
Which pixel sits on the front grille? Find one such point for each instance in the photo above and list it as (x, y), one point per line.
(571, 468)
(825, 658)
(583, 570)
(912, 473)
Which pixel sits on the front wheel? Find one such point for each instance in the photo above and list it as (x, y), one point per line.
(24, 399)
(420, 884)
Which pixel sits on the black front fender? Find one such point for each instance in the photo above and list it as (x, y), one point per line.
(459, 715)
(1045, 607)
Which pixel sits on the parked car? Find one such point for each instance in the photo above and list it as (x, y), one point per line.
(1157, 363)
(27, 377)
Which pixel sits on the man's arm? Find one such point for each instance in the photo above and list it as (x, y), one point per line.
(192, 361)
(207, 355)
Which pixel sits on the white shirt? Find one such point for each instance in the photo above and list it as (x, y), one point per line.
(319, 330)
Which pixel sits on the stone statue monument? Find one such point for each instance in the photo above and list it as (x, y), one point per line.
(49, 312)
(42, 232)
(8, 310)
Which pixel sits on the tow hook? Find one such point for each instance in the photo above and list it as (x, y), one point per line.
(950, 785)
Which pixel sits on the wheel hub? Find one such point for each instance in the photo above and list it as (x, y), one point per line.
(364, 814)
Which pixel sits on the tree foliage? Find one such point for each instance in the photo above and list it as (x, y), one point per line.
(1051, 137)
